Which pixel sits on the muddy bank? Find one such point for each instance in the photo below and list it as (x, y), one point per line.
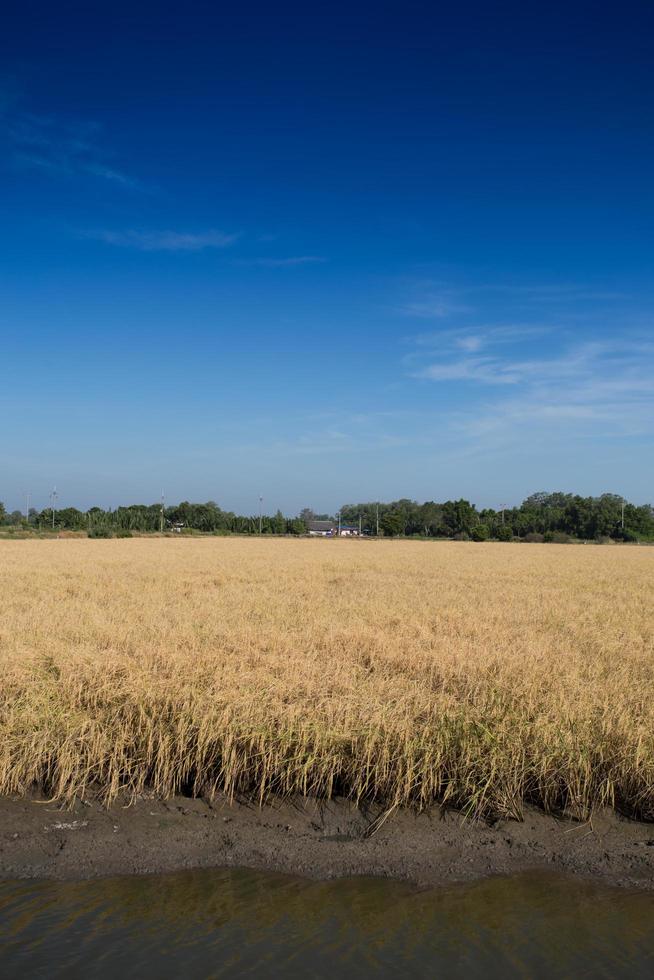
(318, 840)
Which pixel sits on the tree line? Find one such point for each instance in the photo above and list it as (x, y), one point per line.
(542, 516)
(547, 516)
(143, 518)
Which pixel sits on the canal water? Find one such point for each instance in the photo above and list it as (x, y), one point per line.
(239, 923)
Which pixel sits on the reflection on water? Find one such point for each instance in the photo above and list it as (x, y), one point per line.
(244, 923)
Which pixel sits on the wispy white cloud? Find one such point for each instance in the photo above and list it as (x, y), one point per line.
(598, 388)
(548, 292)
(576, 363)
(483, 369)
(471, 342)
(435, 306)
(548, 361)
(476, 337)
(165, 241)
(341, 432)
(61, 147)
(543, 416)
(442, 300)
(283, 263)
(108, 173)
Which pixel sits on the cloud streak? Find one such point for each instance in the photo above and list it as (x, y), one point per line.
(574, 365)
(541, 379)
(166, 240)
(436, 306)
(62, 148)
(284, 263)
(591, 389)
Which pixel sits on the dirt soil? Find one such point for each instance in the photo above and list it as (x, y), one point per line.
(38, 839)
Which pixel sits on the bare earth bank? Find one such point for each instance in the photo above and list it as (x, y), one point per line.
(318, 840)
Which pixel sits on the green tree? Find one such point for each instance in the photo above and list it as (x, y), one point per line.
(431, 518)
(279, 523)
(70, 518)
(459, 516)
(491, 519)
(392, 523)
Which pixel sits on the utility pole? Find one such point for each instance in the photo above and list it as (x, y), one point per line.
(53, 504)
(377, 518)
(260, 512)
(161, 514)
(622, 519)
(28, 495)
(339, 523)
(359, 525)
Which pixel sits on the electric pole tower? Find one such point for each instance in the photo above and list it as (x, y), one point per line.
(260, 512)
(53, 504)
(161, 514)
(28, 496)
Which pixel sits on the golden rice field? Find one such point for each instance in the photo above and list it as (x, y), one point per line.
(479, 676)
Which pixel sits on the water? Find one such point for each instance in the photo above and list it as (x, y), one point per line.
(238, 923)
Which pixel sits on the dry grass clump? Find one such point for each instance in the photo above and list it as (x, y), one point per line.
(477, 676)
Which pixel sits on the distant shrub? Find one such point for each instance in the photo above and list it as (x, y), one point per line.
(100, 532)
(534, 537)
(604, 539)
(504, 532)
(480, 532)
(557, 537)
(625, 535)
(124, 533)
(461, 536)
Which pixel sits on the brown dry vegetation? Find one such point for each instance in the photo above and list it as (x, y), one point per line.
(478, 676)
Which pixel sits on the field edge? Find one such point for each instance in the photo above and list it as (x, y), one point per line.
(311, 838)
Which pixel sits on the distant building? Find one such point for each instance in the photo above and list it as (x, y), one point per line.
(322, 529)
(330, 529)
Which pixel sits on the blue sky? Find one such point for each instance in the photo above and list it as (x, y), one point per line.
(326, 254)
